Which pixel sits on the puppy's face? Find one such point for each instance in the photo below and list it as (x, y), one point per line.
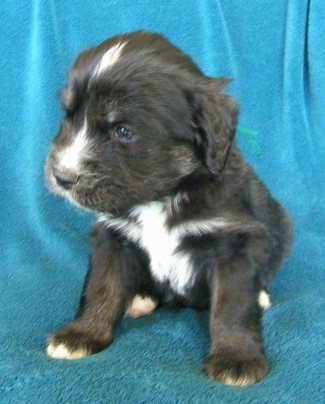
(140, 119)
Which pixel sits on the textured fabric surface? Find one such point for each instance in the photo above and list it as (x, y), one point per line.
(274, 51)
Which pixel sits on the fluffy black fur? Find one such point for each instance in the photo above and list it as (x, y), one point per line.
(158, 130)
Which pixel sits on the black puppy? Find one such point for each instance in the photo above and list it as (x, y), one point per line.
(148, 144)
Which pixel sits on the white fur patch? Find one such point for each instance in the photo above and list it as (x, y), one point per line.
(62, 352)
(264, 300)
(200, 227)
(151, 233)
(71, 156)
(141, 306)
(148, 228)
(110, 57)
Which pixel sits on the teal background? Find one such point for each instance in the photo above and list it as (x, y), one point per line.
(274, 51)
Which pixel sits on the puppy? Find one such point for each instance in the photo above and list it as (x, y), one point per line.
(147, 143)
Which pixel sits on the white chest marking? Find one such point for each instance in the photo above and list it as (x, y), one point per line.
(151, 233)
(148, 229)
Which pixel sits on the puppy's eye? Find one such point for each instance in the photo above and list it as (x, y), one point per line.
(124, 134)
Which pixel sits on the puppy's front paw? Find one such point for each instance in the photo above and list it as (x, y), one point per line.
(232, 369)
(73, 344)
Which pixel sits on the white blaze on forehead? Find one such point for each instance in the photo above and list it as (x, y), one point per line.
(71, 156)
(109, 58)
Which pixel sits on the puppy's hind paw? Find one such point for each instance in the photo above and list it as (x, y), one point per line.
(141, 306)
(236, 372)
(264, 300)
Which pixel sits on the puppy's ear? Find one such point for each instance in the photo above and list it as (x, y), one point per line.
(214, 116)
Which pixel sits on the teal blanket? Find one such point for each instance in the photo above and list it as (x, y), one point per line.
(275, 52)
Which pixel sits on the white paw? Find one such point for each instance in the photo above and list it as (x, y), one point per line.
(264, 300)
(141, 306)
(62, 352)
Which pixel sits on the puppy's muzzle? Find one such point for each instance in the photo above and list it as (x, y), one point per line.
(66, 180)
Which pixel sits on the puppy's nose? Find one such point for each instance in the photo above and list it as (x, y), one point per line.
(66, 180)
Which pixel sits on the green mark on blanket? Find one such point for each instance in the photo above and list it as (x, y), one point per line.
(249, 136)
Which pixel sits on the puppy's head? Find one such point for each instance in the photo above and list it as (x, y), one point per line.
(140, 119)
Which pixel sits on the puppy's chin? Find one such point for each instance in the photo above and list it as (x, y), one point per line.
(91, 201)
(108, 199)
(69, 196)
